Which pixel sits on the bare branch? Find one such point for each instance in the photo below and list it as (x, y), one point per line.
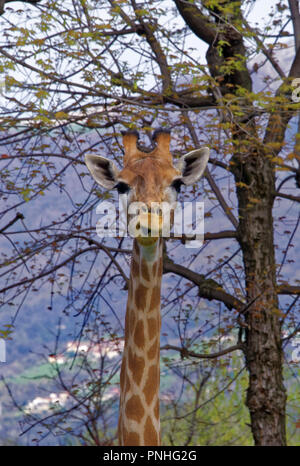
(292, 335)
(208, 288)
(265, 51)
(288, 196)
(185, 353)
(212, 182)
(47, 272)
(14, 220)
(207, 236)
(288, 289)
(157, 50)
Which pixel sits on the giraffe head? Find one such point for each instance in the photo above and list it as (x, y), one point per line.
(149, 178)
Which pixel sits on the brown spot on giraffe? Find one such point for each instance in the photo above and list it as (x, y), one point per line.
(153, 352)
(135, 250)
(128, 383)
(151, 436)
(130, 292)
(151, 383)
(152, 327)
(155, 297)
(145, 270)
(154, 269)
(131, 438)
(134, 409)
(139, 335)
(135, 268)
(131, 320)
(136, 364)
(160, 268)
(141, 296)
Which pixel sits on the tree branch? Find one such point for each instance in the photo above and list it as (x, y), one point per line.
(197, 21)
(207, 236)
(288, 289)
(157, 50)
(190, 102)
(207, 288)
(265, 51)
(47, 272)
(288, 196)
(184, 352)
(14, 220)
(212, 182)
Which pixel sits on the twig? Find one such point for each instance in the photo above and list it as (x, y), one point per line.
(14, 220)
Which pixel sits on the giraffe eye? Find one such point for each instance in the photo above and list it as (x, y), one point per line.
(122, 187)
(176, 184)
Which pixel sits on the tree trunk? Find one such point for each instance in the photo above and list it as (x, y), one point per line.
(266, 396)
(255, 184)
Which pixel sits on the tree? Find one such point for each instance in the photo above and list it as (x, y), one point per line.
(106, 66)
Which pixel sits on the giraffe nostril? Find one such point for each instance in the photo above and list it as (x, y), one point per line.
(157, 211)
(138, 226)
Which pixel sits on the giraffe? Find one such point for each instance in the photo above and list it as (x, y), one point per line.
(148, 176)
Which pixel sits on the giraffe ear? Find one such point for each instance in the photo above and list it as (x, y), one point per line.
(192, 165)
(103, 170)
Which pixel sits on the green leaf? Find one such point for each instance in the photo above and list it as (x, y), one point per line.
(25, 194)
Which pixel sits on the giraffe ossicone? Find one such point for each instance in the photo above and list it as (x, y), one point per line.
(150, 177)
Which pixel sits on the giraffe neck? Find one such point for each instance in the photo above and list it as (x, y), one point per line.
(139, 422)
